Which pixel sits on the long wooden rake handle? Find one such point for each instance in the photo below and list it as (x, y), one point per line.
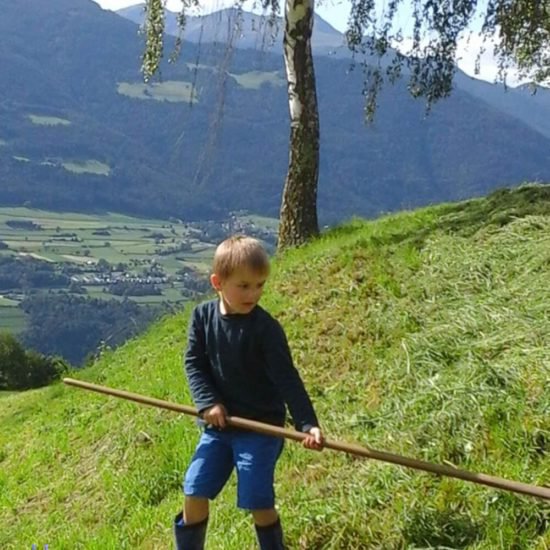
(357, 450)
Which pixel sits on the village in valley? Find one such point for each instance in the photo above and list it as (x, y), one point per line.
(109, 256)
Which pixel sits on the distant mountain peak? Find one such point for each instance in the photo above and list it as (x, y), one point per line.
(231, 10)
(212, 27)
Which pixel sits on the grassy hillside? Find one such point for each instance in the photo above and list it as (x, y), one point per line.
(424, 333)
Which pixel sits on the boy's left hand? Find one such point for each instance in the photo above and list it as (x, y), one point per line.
(314, 440)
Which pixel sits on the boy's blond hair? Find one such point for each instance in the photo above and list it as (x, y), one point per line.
(237, 252)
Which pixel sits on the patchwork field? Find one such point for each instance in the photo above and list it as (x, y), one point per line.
(83, 241)
(100, 250)
(88, 167)
(170, 90)
(12, 319)
(49, 120)
(75, 166)
(255, 79)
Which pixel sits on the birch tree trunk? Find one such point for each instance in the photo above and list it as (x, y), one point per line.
(298, 217)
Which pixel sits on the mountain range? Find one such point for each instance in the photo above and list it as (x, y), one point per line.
(246, 30)
(79, 129)
(249, 30)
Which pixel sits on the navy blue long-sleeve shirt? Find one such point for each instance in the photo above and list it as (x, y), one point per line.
(244, 363)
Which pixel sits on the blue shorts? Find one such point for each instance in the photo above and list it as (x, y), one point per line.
(253, 455)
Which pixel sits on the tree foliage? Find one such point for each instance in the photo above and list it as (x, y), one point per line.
(519, 29)
(524, 28)
(22, 370)
(29, 273)
(76, 326)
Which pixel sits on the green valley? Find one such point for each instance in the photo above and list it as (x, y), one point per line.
(46, 255)
(117, 243)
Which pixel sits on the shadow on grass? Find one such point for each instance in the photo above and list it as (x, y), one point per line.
(429, 528)
(465, 218)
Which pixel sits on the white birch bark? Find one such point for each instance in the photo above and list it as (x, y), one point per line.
(298, 219)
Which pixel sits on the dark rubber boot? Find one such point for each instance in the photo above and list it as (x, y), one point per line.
(189, 537)
(270, 537)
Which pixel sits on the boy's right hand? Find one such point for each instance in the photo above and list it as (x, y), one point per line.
(215, 416)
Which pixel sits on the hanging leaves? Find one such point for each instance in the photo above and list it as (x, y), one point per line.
(154, 38)
(519, 28)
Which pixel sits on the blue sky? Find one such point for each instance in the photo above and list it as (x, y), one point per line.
(336, 12)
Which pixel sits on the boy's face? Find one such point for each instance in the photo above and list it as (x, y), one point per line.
(241, 291)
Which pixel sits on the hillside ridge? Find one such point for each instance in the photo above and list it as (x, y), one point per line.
(424, 333)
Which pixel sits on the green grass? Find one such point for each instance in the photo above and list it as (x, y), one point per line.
(87, 167)
(198, 66)
(253, 80)
(69, 220)
(12, 319)
(4, 393)
(424, 333)
(6, 302)
(49, 120)
(256, 79)
(170, 90)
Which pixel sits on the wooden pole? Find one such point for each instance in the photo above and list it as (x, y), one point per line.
(357, 450)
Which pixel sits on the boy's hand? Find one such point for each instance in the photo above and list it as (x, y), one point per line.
(315, 439)
(215, 416)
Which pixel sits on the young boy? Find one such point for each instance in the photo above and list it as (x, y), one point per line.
(238, 363)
